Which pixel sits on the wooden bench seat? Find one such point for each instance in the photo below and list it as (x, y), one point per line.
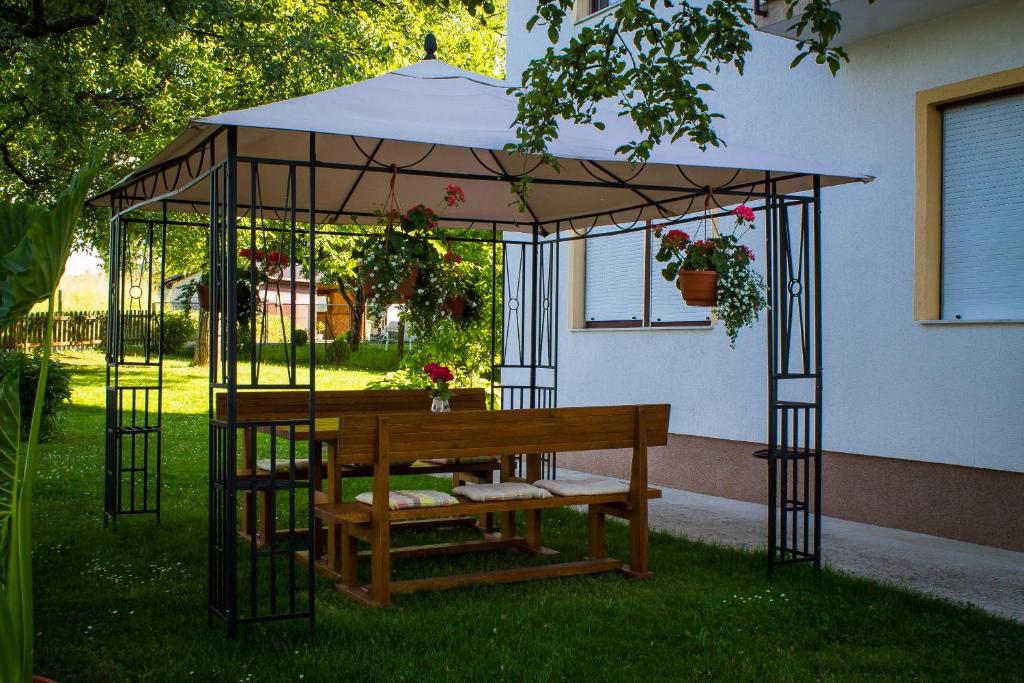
(359, 513)
(383, 441)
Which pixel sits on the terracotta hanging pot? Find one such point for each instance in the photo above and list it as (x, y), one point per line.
(367, 286)
(407, 286)
(204, 296)
(456, 306)
(699, 287)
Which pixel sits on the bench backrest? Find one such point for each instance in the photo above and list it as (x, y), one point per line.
(290, 404)
(408, 437)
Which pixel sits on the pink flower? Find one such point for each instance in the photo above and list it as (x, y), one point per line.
(743, 213)
(748, 251)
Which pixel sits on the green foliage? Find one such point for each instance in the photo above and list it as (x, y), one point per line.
(179, 329)
(338, 351)
(56, 396)
(134, 75)
(34, 246)
(653, 58)
(300, 337)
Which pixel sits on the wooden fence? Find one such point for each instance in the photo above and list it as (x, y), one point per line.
(71, 330)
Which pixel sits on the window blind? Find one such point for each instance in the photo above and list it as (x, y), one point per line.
(614, 277)
(667, 305)
(983, 209)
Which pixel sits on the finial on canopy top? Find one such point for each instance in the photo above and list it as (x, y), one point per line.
(430, 45)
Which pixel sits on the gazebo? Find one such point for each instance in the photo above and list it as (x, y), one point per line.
(319, 164)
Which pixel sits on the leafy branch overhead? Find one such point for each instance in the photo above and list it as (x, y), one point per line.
(654, 60)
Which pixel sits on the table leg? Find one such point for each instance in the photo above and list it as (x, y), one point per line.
(249, 461)
(335, 551)
(533, 522)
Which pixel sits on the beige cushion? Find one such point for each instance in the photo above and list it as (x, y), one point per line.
(474, 459)
(591, 486)
(301, 464)
(509, 490)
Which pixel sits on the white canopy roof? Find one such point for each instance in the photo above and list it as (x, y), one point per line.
(439, 124)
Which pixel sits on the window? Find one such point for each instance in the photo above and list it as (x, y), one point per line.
(969, 234)
(983, 209)
(622, 286)
(584, 8)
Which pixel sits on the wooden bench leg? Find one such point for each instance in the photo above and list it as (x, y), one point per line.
(596, 524)
(348, 555)
(380, 562)
(638, 562)
(533, 519)
(533, 527)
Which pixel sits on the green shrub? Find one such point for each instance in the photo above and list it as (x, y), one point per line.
(300, 337)
(338, 351)
(179, 329)
(58, 390)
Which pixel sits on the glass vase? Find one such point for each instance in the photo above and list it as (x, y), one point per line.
(440, 405)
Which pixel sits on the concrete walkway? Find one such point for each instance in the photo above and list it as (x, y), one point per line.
(990, 578)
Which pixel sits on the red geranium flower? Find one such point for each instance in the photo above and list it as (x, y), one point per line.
(453, 195)
(749, 252)
(675, 238)
(744, 213)
(275, 258)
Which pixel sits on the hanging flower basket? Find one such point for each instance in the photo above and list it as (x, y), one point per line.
(203, 292)
(716, 271)
(699, 287)
(407, 287)
(456, 306)
(367, 287)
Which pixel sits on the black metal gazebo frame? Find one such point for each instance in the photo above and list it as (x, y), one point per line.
(263, 584)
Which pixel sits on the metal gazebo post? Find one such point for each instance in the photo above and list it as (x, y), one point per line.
(793, 271)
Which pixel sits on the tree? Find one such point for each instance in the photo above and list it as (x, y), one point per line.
(338, 265)
(131, 73)
(654, 59)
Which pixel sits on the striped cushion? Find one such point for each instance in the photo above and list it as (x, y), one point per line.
(464, 461)
(301, 464)
(398, 500)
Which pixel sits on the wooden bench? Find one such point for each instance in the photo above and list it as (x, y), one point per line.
(258, 411)
(383, 441)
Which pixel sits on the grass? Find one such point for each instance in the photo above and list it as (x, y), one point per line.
(370, 356)
(129, 603)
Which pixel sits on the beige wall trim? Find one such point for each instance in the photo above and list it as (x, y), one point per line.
(928, 191)
(577, 281)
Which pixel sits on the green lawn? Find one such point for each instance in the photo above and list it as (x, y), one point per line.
(129, 604)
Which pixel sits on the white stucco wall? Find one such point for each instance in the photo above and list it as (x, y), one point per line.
(893, 387)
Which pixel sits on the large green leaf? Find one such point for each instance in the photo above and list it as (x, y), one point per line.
(35, 245)
(10, 437)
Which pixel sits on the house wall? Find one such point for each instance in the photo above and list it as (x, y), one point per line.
(896, 389)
